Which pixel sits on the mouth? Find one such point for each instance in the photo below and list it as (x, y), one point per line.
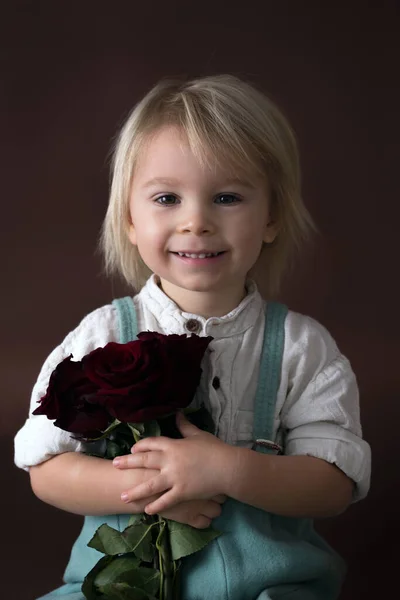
(201, 255)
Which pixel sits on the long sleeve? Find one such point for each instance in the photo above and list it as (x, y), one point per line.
(321, 416)
(38, 439)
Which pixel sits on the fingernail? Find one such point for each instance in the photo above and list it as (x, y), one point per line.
(124, 497)
(116, 462)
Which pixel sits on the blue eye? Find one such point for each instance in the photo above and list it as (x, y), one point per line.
(166, 200)
(227, 199)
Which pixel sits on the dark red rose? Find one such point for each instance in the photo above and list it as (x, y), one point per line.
(118, 367)
(67, 401)
(135, 382)
(147, 378)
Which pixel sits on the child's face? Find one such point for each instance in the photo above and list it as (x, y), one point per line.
(177, 206)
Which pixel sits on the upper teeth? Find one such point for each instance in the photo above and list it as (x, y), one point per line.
(198, 255)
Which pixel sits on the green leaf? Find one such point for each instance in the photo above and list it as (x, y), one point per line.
(151, 429)
(137, 430)
(139, 538)
(145, 550)
(134, 519)
(114, 449)
(134, 538)
(150, 580)
(185, 540)
(124, 431)
(108, 541)
(107, 431)
(145, 578)
(88, 586)
(123, 591)
(96, 448)
(117, 440)
(115, 570)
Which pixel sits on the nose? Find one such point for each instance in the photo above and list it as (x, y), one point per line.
(196, 219)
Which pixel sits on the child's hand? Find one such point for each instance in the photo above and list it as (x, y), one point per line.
(200, 466)
(133, 478)
(197, 513)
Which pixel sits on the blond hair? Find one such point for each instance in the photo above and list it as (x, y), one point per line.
(227, 121)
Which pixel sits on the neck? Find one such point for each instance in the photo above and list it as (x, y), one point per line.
(205, 304)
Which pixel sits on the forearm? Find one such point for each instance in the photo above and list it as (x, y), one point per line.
(294, 486)
(86, 485)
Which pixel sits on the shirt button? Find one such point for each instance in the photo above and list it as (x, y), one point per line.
(216, 383)
(193, 325)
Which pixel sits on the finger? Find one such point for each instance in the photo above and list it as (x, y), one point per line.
(200, 522)
(141, 460)
(185, 513)
(186, 428)
(164, 502)
(150, 443)
(211, 509)
(221, 498)
(140, 505)
(155, 485)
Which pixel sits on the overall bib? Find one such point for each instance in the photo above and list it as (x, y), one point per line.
(260, 555)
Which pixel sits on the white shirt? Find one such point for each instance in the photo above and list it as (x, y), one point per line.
(317, 408)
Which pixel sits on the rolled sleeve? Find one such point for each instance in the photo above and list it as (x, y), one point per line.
(321, 414)
(38, 439)
(336, 445)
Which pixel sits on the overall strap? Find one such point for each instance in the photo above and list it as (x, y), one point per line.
(127, 321)
(270, 364)
(269, 376)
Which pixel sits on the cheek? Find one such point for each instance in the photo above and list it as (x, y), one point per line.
(149, 232)
(144, 229)
(251, 241)
(251, 231)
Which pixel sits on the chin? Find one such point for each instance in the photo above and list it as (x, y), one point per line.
(198, 285)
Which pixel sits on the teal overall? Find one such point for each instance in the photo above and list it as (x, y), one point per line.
(260, 555)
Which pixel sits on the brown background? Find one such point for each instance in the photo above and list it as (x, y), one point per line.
(70, 72)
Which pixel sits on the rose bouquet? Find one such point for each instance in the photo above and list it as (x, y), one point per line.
(111, 399)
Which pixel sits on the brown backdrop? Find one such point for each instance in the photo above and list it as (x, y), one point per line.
(71, 71)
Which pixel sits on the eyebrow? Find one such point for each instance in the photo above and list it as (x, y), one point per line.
(238, 181)
(160, 180)
(173, 182)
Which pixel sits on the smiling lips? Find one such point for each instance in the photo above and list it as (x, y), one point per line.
(198, 257)
(202, 254)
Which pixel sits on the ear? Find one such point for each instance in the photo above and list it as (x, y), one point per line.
(271, 232)
(132, 234)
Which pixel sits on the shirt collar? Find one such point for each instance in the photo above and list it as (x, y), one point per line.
(172, 319)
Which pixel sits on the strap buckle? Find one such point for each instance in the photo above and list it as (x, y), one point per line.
(269, 445)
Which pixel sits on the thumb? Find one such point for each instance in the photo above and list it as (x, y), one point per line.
(186, 428)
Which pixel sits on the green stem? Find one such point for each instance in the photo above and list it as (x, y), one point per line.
(165, 562)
